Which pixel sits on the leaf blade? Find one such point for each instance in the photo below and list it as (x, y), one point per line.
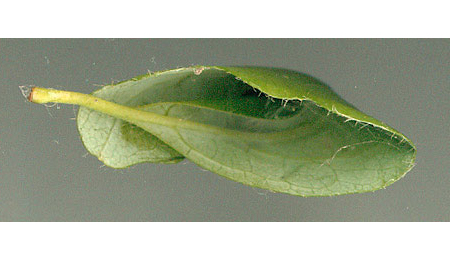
(270, 128)
(273, 160)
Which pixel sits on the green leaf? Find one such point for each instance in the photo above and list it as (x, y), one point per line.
(270, 128)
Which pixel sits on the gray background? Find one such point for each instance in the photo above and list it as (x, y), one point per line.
(47, 175)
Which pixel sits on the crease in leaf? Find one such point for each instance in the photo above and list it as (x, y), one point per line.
(270, 128)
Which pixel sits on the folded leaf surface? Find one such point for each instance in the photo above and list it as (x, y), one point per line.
(270, 128)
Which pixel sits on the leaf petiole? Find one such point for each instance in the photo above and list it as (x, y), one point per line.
(129, 114)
